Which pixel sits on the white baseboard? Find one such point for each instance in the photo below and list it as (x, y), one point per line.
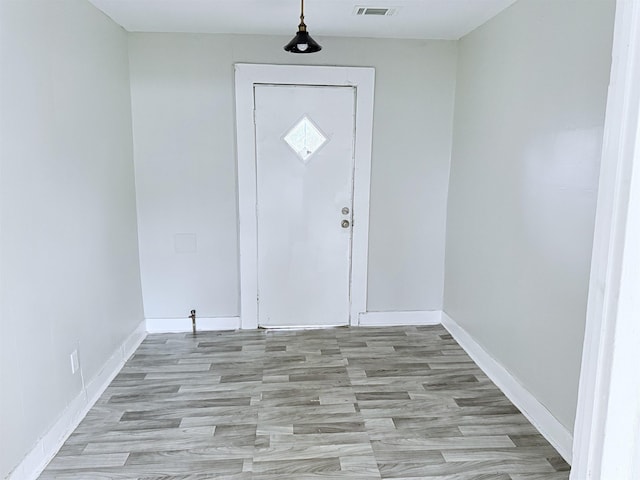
(46, 448)
(386, 319)
(167, 325)
(556, 433)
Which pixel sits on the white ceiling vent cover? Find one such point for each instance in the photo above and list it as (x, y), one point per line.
(375, 11)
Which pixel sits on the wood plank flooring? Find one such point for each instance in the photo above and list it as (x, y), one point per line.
(354, 403)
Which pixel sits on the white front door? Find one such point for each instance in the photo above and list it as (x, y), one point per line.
(304, 181)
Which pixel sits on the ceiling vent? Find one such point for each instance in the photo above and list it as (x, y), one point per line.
(375, 11)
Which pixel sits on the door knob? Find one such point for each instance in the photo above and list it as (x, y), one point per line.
(345, 223)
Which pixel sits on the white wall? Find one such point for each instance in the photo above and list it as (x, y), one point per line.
(530, 101)
(69, 273)
(183, 118)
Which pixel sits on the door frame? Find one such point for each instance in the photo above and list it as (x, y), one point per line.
(605, 438)
(248, 75)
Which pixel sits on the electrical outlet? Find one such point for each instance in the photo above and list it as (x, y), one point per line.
(75, 363)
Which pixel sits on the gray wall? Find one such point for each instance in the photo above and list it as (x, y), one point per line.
(530, 102)
(68, 244)
(184, 122)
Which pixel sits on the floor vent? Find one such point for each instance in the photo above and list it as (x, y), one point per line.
(375, 11)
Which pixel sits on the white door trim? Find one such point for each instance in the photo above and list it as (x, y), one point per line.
(246, 76)
(606, 440)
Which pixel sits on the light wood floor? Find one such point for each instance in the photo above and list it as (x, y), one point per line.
(355, 403)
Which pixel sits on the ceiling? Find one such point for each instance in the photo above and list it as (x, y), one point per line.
(419, 19)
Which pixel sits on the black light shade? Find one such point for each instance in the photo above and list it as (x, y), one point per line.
(302, 42)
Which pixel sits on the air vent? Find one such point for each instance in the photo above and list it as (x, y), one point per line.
(375, 11)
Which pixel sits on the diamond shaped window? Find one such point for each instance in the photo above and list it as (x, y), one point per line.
(305, 139)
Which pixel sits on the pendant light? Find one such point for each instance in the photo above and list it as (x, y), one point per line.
(302, 42)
